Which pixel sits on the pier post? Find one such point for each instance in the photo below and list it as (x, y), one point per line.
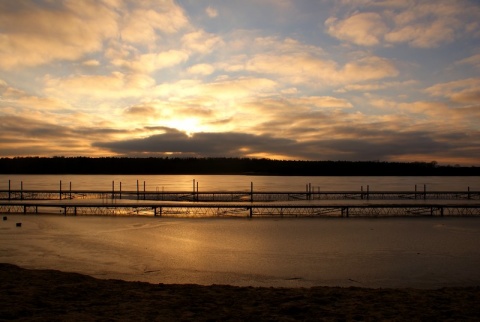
(193, 190)
(251, 191)
(143, 190)
(138, 195)
(196, 196)
(306, 191)
(70, 194)
(120, 189)
(9, 192)
(60, 194)
(113, 190)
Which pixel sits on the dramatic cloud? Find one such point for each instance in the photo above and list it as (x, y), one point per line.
(32, 35)
(338, 80)
(212, 144)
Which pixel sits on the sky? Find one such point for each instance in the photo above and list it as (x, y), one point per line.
(354, 80)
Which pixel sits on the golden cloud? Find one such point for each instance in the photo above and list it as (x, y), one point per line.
(32, 35)
(364, 29)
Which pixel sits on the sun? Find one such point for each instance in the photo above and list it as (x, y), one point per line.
(187, 125)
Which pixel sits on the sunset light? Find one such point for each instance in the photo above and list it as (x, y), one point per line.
(312, 80)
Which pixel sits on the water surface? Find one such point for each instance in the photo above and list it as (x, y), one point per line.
(390, 252)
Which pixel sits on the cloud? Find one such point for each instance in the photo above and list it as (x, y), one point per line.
(201, 69)
(301, 68)
(140, 111)
(422, 24)
(220, 89)
(364, 29)
(39, 32)
(202, 144)
(148, 63)
(91, 63)
(114, 86)
(472, 60)
(375, 86)
(34, 33)
(465, 91)
(140, 26)
(381, 145)
(321, 102)
(211, 12)
(201, 42)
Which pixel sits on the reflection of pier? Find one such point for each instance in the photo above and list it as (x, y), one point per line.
(310, 208)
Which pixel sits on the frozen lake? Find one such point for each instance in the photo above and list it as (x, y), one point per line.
(387, 252)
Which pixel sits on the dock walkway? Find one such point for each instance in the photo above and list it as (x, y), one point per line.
(302, 208)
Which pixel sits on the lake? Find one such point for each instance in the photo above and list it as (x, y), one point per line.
(238, 182)
(301, 252)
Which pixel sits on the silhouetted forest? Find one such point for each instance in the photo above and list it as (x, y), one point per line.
(123, 165)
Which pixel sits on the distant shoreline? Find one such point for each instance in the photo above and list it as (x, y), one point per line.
(225, 166)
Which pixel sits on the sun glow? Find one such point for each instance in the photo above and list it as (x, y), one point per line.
(187, 125)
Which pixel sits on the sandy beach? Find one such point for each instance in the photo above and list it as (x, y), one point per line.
(49, 295)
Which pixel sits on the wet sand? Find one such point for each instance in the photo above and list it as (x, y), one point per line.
(49, 295)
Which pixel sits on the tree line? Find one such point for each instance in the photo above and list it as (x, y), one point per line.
(238, 166)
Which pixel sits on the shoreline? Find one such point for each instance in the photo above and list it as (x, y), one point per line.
(54, 295)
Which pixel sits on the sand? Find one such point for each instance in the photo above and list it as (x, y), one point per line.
(49, 295)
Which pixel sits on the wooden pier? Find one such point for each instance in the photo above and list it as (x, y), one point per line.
(250, 203)
(313, 208)
(237, 196)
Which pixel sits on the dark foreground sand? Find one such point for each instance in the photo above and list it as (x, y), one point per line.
(47, 295)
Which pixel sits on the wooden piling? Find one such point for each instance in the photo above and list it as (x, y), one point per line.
(70, 194)
(60, 193)
(143, 190)
(138, 194)
(113, 190)
(193, 190)
(251, 191)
